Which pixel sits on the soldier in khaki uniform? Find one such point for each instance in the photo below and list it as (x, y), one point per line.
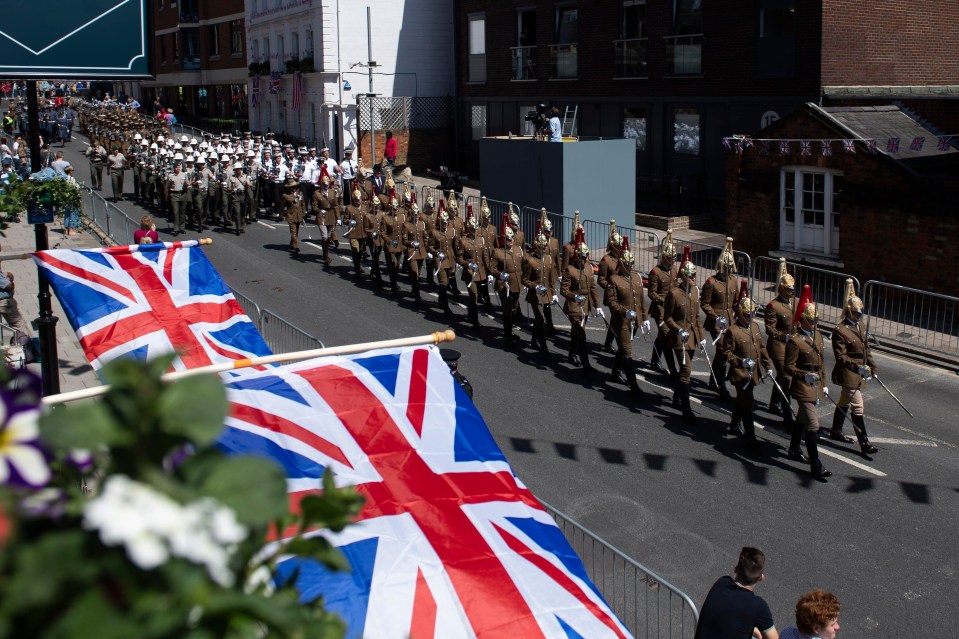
(624, 291)
(717, 299)
(578, 288)
(854, 366)
(804, 364)
(394, 228)
(681, 315)
(607, 268)
(358, 223)
(506, 269)
(552, 249)
(662, 279)
(98, 156)
(444, 257)
(472, 256)
(748, 365)
(417, 238)
(176, 185)
(486, 230)
(778, 318)
(201, 192)
(537, 277)
(235, 190)
(325, 207)
(375, 239)
(569, 249)
(117, 164)
(291, 203)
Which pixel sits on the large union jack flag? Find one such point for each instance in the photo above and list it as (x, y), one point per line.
(149, 299)
(450, 542)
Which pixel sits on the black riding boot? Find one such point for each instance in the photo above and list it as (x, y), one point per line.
(795, 442)
(735, 422)
(630, 368)
(548, 314)
(444, 303)
(859, 425)
(616, 375)
(812, 449)
(584, 358)
(719, 371)
(838, 417)
(688, 416)
(608, 344)
(415, 285)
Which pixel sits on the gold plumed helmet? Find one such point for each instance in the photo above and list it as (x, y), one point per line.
(806, 308)
(854, 306)
(472, 222)
(669, 249)
(744, 304)
(430, 202)
(727, 261)
(576, 226)
(513, 215)
(508, 233)
(615, 239)
(628, 259)
(407, 194)
(451, 202)
(544, 220)
(484, 209)
(357, 194)
(442, 216)
(541, 241)
(785, 280)
(686, 267)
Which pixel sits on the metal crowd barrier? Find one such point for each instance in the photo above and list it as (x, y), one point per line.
(647, 604)
(283, 337)
(917, 319)
(112, 222)
(251, 308)
(828, 287)
(705, 256)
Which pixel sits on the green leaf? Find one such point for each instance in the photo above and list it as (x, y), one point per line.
(253, 487)
(92, 617)
(85, 426)
(318, 549)
(194, 408)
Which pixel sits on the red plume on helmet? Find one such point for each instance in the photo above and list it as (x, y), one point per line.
(743, 292)
(469, 211)
(625, 245)
(414, 197)
(392, 192)
(804, 299)
(502, 230)
(580, 236)
(687, 255)
(539, 228)
(441, 209)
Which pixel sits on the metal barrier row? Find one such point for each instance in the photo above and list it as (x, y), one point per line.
(917, 319)
(283, 337)
(828, 286)
(251, 308)
(647, 604)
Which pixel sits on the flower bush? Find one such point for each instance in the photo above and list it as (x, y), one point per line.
(122, 518)
(44, 188)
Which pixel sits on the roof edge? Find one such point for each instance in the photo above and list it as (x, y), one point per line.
(892, 91)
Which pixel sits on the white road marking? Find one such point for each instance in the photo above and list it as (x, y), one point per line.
(269, 226)
(313, 245)
(903, 442)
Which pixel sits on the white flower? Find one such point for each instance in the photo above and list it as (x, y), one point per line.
(20, 458)
(260, 578)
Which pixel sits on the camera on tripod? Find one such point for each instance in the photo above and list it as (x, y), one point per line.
(539, 120)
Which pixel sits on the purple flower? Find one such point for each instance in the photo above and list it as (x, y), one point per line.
(22, 461)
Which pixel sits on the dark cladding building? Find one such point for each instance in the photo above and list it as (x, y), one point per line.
(678, 76)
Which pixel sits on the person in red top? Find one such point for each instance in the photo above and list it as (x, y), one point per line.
(147, 233)
(390, 152)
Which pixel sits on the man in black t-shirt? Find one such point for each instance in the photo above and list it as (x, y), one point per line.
(731, 609)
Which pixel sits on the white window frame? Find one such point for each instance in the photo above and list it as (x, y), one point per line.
(830, 234)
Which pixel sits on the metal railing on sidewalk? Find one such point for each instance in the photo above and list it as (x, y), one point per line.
(112, 222)
(828, 286)
(646, 603)
(644, 244)
(283, 337)
(251, 308)
(705, 256)
(919, 320)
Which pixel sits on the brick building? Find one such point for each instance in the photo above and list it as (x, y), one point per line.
(898, 219)
(201, 61)
(679, 76)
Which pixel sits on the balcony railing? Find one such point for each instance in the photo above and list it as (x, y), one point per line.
(631, 58)
(564, 61)
(684, 54)
(524, 63)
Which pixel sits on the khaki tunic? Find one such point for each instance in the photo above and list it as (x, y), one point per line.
(579, 282)
(661, 282)
(681, 312)
(324, 207)
(849, 347)
(804, 354)
(538, 271)
(417, 232)
(292, 206)
(510, 262)
(717, 299)
(393, 230)
(778, 318)
(472, 250)
(742, 342)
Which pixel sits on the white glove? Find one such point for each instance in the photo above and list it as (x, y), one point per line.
(646, 326)
(504, 276)
(630, 315)
(579, 299)
(865, 372)
(375, 234)
(429, 256)
(540, 289)
(490, 280)
(599, 313)
(683, 336)
(825, 391)
(555, 300)
(702, 346)
(811, 378)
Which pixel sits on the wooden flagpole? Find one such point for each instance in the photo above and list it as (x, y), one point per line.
(348, 349)
(200, 242)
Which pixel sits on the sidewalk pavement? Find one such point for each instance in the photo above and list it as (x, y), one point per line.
(75, 372)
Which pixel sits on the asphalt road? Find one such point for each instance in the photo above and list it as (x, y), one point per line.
(681, 500)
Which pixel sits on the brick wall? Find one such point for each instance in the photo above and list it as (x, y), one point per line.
(419, 148)
(894, 226)
(889, 42)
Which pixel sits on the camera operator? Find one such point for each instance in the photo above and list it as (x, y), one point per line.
(555, 128)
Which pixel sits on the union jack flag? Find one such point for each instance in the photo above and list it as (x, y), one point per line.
(945, 141)
(892, 145)
(275, 83)
(871, 146)
(727, 143)
(297, 89)
(917, 143)
(805, 147)
(826, 147)
(784, 147)
(255, 93)
(148, 299)
(450, 543)
(849, 146)
(764, 147)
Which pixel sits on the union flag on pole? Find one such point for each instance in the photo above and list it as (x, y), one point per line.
(148, 299)
(450, 543)
(297, 89)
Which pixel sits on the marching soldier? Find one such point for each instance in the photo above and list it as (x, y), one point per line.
(235, 191)
(293, 211)
(472, 256)
(394, 225)
(375, 240)
(459, 227)
(854, 365)
(358, 222)
(486, 230)
(579, 289)
(117, 163)
(569, 249)
(506, 269)
(662, 279)
(176, 186)
(716, 299)
(540, 286)
(607, 268)
(778, 318)
(681, 315)
(804, 364)
(325, 207)
(417, 240)
(519, 238)
(552, 249)
(97, 155)
(444, 237)
(624, 290)
(748, 364)
(201, 192)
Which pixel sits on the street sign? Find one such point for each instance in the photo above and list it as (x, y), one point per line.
(93, 39)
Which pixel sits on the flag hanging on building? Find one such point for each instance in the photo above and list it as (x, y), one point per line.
(148, 299)
(450, 543)
(944, 143)
(892, 145)
(917, 143)
(275, 83)
(256, 91)
(849, 146)
(297, 89)
(784, 147)
(805, 147)
(826, 147)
